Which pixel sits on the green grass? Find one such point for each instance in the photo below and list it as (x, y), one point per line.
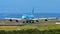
(29, 26)
(46, 27)
(8, 28)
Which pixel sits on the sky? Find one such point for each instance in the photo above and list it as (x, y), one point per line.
(26, 6)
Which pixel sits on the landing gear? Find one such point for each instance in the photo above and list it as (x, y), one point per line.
(16, 20)
(46, 19)
(10, 19)
(28, 21)
(37, 21)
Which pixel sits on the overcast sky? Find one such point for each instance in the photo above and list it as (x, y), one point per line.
(24, 6)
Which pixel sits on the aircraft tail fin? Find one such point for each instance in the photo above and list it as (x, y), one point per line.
(33, 11)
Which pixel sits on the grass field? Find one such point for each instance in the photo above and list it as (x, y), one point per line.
(29, 26)
(46, 27)
(8, 28)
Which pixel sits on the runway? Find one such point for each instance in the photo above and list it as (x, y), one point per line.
(16, 24)
(22, 24)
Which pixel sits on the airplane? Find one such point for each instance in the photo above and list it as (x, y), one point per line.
(27, 18)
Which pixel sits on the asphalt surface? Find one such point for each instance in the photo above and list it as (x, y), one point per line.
(22, 24)
(16, 24)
